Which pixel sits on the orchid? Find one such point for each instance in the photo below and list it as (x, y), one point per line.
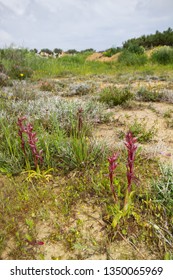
(32, 140)
(112, 166)
(130, 143)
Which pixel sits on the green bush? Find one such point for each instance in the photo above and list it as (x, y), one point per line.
(79, 153)
(47, 86)
(163, 188)
(130, 58)
(114, 96)
(149, 96)
(4, 80)
(110, 52)
(140, 131)
(2, 68)
(164, 55)
(20, 72)
(133, 48)
(13, 55)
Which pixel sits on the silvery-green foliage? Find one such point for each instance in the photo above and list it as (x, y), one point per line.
(80, 89)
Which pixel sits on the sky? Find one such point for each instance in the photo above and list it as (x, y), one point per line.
(80, 24)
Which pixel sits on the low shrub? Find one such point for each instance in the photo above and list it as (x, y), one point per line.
(14, 55)
(20, 72)
(80, 153)
(80, 89)
(163, 188)
(110, 52)
(2, 68)
(147, 95)
(130, 58)
(140, 131)
(133, 48)
(4, 80)
(114, 96)
(46, 86)
(163, 55)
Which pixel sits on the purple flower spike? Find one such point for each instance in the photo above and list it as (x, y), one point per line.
(32, 140)
(130, 143)
(112, 166)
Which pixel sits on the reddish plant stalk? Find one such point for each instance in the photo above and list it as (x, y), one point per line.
(112, 166)
(32, 140)
(130, 143)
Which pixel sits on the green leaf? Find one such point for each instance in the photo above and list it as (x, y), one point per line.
(28, 237)
(116, 219)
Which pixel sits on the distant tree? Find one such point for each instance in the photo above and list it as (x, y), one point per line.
(34, 50)
(72, 51)
(57, 51)
(46, 51)
(152, 40)
(88, 50)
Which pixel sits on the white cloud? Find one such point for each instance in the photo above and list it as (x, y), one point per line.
(5, 37)
(17, 6)
(82, 23)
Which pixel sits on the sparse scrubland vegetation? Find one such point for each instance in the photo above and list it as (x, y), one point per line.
(86, 153)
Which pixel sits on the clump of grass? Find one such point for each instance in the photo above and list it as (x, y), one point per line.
(21, 91)
(10, 153)
(4, 80)
(80, 153)
(80, 150)
(114, 96)
(139, 130)
(168, 118)
(169, 122)
(168, 114)
(163, 188)
(80, 89)
(20, 72)
(47, 86)
(146, 95)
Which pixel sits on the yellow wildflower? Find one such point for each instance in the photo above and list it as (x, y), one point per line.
(21, 74)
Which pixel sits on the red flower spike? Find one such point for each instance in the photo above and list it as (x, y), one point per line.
(112, 166)
(131, 148)
(32, 139)
(34, 242)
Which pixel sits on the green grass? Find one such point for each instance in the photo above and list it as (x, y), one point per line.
(75, 65)
(47, 204)
(114, 96)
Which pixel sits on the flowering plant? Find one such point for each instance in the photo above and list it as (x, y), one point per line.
(32, 140)
(130, 143)
(112, 166)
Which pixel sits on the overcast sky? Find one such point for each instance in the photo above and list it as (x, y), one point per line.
(80, 24)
